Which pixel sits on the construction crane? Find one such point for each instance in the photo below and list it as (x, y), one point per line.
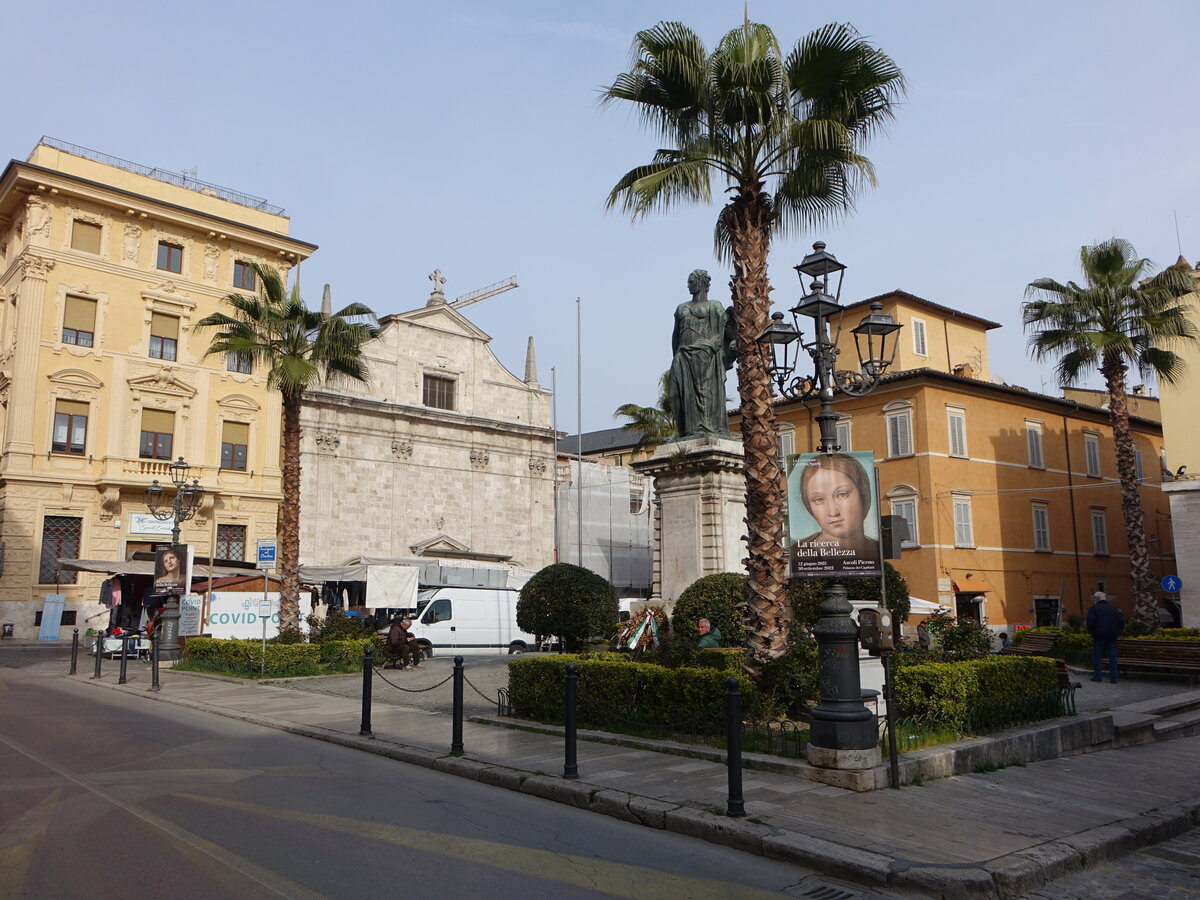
(484, 292)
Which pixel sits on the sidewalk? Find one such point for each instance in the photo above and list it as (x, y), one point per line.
(983, 835)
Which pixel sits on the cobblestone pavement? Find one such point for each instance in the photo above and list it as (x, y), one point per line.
(1169, 870)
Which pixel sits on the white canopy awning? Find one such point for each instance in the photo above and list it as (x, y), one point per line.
(924, 607)
(142, 567)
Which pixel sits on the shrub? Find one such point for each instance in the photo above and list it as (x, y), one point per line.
(337, 626)
(569, 602)
(950, 690)
(617, 693)
(245, 657)
(962, 639)
(347, 655)
(792, 680)
(718, 598)
(806, 594)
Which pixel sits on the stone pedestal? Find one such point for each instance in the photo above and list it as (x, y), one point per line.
(699, 525)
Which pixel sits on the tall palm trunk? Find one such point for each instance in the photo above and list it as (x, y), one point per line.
(1144, 607)
(748, 220)
(289, 514)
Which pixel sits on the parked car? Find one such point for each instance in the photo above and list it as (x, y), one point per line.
(470, 621)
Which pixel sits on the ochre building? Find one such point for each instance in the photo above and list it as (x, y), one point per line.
(107, 267)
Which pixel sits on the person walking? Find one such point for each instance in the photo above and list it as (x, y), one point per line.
(1104, 624)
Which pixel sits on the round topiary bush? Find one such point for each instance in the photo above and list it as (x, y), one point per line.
(716, 598)
(568, 602)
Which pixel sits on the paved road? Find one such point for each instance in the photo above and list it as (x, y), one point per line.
(100, 795)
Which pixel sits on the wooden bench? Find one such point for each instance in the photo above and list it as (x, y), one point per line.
(1034, 643)
(1174, 657)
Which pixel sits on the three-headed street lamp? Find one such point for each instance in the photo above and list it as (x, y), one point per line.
(841, 723)
(181, 507)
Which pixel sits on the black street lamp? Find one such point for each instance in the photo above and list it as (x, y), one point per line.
(840, 722)
(181, 508)
(183, 505)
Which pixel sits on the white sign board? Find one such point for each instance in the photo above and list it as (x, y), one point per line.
(141, 523)
(236, 615)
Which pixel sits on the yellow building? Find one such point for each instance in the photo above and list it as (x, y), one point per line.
(1181, 428)
(1011, 496)
(107, 266)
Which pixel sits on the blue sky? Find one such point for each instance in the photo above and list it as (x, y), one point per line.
(465, 135)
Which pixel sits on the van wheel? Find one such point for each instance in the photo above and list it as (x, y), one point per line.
(426, 649)
(516, 647)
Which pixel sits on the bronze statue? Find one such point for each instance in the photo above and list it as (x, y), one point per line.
(704, 348)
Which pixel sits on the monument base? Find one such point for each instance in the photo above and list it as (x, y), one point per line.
(828, 758)
(700, 511)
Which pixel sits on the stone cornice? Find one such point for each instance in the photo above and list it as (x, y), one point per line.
(392, 410)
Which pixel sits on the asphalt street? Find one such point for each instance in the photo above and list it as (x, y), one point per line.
(102, 797)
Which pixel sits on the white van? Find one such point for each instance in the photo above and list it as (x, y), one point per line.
(469, 621)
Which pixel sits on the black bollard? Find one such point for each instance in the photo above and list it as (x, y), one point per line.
(456, 742)
(570, 766)
(74, 651)
(733, 739)
(99, 653)
(889, 672)
(154, 686)
(365, 728)
(124, 657)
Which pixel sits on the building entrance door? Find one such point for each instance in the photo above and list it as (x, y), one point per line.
(1046, 611)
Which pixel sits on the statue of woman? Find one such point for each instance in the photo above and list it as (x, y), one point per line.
(703, 344)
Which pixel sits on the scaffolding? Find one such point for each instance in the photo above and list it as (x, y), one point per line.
(617, 524)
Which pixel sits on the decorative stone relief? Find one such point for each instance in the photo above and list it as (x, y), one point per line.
(212, 255)
(129, 247)
(327, 441)
(479, 458)
(5, 388)
(110, 502)
(35, 266)
(440, 523)
(402, 449)
(537, 466)
(37, 218)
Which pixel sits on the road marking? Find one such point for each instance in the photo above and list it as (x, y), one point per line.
(619, 879)
(189, 843)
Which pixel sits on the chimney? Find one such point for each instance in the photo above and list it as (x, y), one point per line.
(964, 370)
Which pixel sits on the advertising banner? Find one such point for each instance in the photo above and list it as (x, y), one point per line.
(172, 570)
(833, 515)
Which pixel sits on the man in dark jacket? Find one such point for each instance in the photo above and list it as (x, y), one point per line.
(1104, 623)
(709, 636)
(401, 644)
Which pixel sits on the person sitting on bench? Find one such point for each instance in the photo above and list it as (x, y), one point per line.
(402, 644)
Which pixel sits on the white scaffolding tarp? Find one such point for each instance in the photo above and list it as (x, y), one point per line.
(617, 523)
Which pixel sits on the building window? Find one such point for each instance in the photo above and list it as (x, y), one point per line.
(1091, 453)
(906, 509)
(918, 332)
(243, 275)
(964, 533)
(61, 536)
(70, 427)
(158, 427)
(843, 434)
(85, 236)
(439, 392)
(170, 257)
(240, 361)
(79, 322)
(235, 438)
(1099, 533)
(1033, 441)
(1138, 472)
(164, 336)
(899, 433)
(956, 419)
(786, 442)
(231, 542)
(1041, 527)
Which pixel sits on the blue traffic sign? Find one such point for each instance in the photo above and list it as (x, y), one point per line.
(267, 550)
(1171, 583)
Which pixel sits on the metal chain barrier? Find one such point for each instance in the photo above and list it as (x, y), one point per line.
(379, 674)
(482, 695)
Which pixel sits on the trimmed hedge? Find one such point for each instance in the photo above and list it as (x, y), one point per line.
(348, 654)
(949, 690)
(614, 693)
(245, 657)
(1172, 634)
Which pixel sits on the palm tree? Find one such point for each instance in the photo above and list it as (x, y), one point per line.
(298, 348)
(654, 424)
(752, 119)
(1118, 319)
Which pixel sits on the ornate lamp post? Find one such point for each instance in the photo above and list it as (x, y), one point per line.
(840, 721)
(181, 508)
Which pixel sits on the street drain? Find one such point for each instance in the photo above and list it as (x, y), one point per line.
(829, 892)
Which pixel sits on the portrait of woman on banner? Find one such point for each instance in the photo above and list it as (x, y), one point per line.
(833, 521)
(170, 570)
